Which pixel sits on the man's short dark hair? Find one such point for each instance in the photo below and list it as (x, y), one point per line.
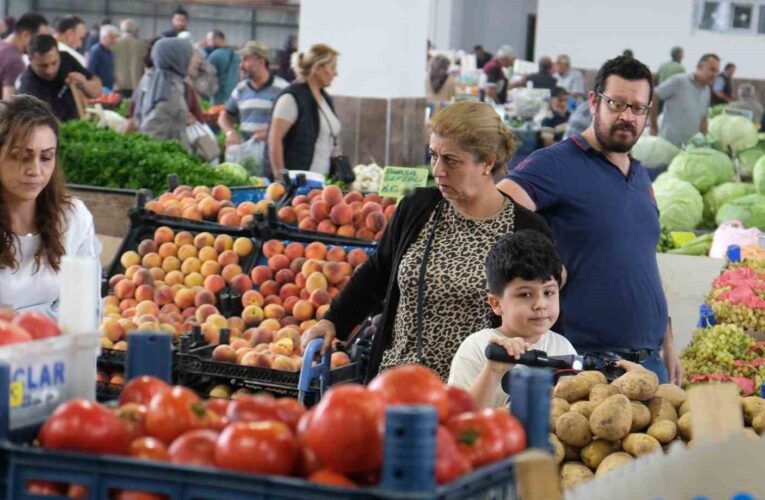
(675, 53)
(528, 255)
(67, 23)
(42, 44)
(626, 67)
(219, 34)
(477, 48)
(181, 11)
(729, 66)
(558, 92)
(706, 57)
(31, 23)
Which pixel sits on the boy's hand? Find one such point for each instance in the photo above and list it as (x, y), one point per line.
(514, 347)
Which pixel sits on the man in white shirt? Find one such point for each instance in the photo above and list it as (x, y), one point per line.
(70, 31)
(570, 79)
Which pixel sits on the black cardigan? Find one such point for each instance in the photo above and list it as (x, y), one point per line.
(375, 282)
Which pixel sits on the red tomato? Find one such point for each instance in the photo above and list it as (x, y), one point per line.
(46, 488)
(478, 438)
(39, 326)
(218, 405)
(12, 334)
(460, 401)
(82, 425)
(149, 448)
(291, 410)
(412, 385)
(174, 411)
(141, 389)
(450, 463)
(139, 495)
(133, 416)
(326, 476)
(513, 434)
(195, 448)
(267, 447)
(255, 409)
(78, 491)
(346, 429)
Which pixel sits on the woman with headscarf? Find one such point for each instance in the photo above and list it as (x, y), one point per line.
(440, 85)
(161, 110)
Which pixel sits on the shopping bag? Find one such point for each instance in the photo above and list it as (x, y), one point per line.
(203, 142)
(733, 233)
(249, 154)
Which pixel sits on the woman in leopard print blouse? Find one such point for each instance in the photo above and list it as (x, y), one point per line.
(428, 269)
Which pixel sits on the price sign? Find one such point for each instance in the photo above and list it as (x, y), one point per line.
(17, 393)
(398, 181)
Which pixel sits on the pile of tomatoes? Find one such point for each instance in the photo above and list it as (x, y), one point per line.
(337, 442)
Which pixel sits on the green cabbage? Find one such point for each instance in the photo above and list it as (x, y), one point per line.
(705, 168)
(749, 210)
(235, 169)
(748, 158)
(680, 204)
(735, 131)
(758, 176)
(722, 194)
(654, 151)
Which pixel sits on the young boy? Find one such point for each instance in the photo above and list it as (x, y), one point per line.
(523, 273)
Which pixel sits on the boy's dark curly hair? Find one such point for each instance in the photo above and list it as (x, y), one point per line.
(528, 255)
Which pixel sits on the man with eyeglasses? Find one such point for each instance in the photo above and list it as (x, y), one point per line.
(685, 99)
(599, 203)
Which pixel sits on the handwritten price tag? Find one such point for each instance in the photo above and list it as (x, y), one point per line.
(398, 181)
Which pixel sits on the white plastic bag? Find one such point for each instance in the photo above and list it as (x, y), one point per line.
(202, 140)
(245, 153)
(732, 233)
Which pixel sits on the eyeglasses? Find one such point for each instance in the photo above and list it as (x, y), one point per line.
(619, 106)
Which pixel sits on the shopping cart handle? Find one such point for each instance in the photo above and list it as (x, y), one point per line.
(309, 372)
(534, 358)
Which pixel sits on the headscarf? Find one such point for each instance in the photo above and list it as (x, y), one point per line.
(171, 58)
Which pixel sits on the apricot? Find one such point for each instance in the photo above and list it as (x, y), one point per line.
(288, 215)
(155, 206)
(231, 220)
(321, 311)
(271, 324)
(184, 298)
(205, 311)
(307, 224)
(163, 295)
(341, 214)
(208, 254)
(357, 257)
(124, 289)
(172, 210)
(275, 191)
(289, 290)
(252, 298)
(230, 271)
(272, 247)
(246, 208)
(111, 329)
(144, 292)
(316, 281)
(204, 239)
(204, 297)
(171, 263)
(320, 297)
(221, 193)
(192, 265)
(273, 299)
(209, 268)
(347, 231)
(241, 283)
(130, 258)
(242, 246)
(174, 278)
(148, 261)
(223, 242)
(279, 262)
(163, 234)
(258, 336)
(261, 274)
(303, 310)
(145, 247)
(218, 320)
(191, 213)
(273, 311)
(157, 274)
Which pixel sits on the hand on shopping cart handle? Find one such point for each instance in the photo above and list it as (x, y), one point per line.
(324, 329)
(505, 352)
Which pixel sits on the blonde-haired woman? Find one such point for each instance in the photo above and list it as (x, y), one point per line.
(304, 132)
(428, 271)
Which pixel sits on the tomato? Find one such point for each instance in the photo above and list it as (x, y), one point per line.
(513, 434)
(78, 491)
(450, 463)
(139, 495)
(291, 410)
(267, 447)
(82, 425)
(478, 438)
(12, 334)
(174, 411)
(326, 476)
(346, 429)
(46, 488)
(460, 401)
(255, 409)
(149, 448)
(412, 385)
(141, 389)
(133, 416)
(218, 405)
(195, 448)
(38, 325)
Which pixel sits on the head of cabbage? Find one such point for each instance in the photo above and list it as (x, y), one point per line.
(735, 131)
(722, 194)
(654, 151)
(235, 170)
(749, 210)
(680, 204)
(747, 159)
(705, 168)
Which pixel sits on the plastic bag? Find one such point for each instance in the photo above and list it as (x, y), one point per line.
(249, 154)
(733, 233)
(203, 142)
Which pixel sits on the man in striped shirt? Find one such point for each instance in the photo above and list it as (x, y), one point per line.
(252, 99)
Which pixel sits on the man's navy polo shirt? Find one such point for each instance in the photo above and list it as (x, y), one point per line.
(606, 227)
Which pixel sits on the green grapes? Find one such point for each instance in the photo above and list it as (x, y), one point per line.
(716, 349)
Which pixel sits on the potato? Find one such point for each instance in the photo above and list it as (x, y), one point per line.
(753, 406)
(641, 416)
(573, 453)
(672, 393)
(558, 407)
(612, 419)
(750, 433)
(600, 392)
(572, 389)
(661, 409)
(759, 423)
(584, 407)
(573, 428)
(684, 426)
(592, 377)
(613, 461)
(595, 452)
(573, 473)
(684, 408)
(559, 452)
(640, 444)
(664, 431)
(640, 385)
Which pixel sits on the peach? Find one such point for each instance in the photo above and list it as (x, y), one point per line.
(261, 274)
(320, 297)
(272, 247)
(246, 208)
(242, 246)
(124, 289)
(208, 254)
(209, 268)
(289, 304)
(319, 211)
(191, 213)
(294, 250)
(192, 265)
(211, 333)
(260, 360)
(289, 332)
(275, 191)
(283, 347)
(303, 310)
(297, 265)
(155, 206)
(111, 329)
(157, 274)
(193, 279)
(333, 271)
(278, 262)
(236, 323)
(109, 300)
(326, 227)
(150, 260)
(304, 294)
(144, 292)
(287, 215)
(341, 214)
(172, 210)
(269, 287)
(347, 231)
(231, 220)
(365, 234)
(204, 239)
(332, 195)
(316, 281)
(252, 315)
(115, 279)
(221, 193)
(285, 276)
(172, 310)
(389, 211)
(204, 297)
(373, 197)
(263, 205)
(189, 314)
(336, 254)
(316, 250)
(353, 196)
(184, 298)
(241, 283)
(289, 290)
(388, 201)
(273, 299)
(376, 221)
(130, 258)
(314, 193)
(248, 220)
(273, 311)
(258, 336)
(183, 188)
(299, 200)
(240, 353)
(200, 189)
(347, 268)
(339, 359)
(239, 343)
(252, 298)
(306, 325)
(223, 242)
(171, 264)
(163, 234)
(187, 251)
(230, 271)
(163, 295)
(357, 257)
(370, 207)
(174, 278)
(321, 311)
(271, 324)
(209, 207)
(143, 277)
(302, 215)
(147, 307)
(342, 283)
(283, 363)
(205, 311)
(146, 246)
(333, 292)
(218, 320)
(307, 224)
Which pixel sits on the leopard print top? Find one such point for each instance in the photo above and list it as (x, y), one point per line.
(455, 304)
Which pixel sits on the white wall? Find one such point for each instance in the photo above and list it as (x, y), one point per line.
(382, 44)
(591, 32)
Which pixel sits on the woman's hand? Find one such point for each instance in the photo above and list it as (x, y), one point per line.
(514, 347)
(324, 329)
